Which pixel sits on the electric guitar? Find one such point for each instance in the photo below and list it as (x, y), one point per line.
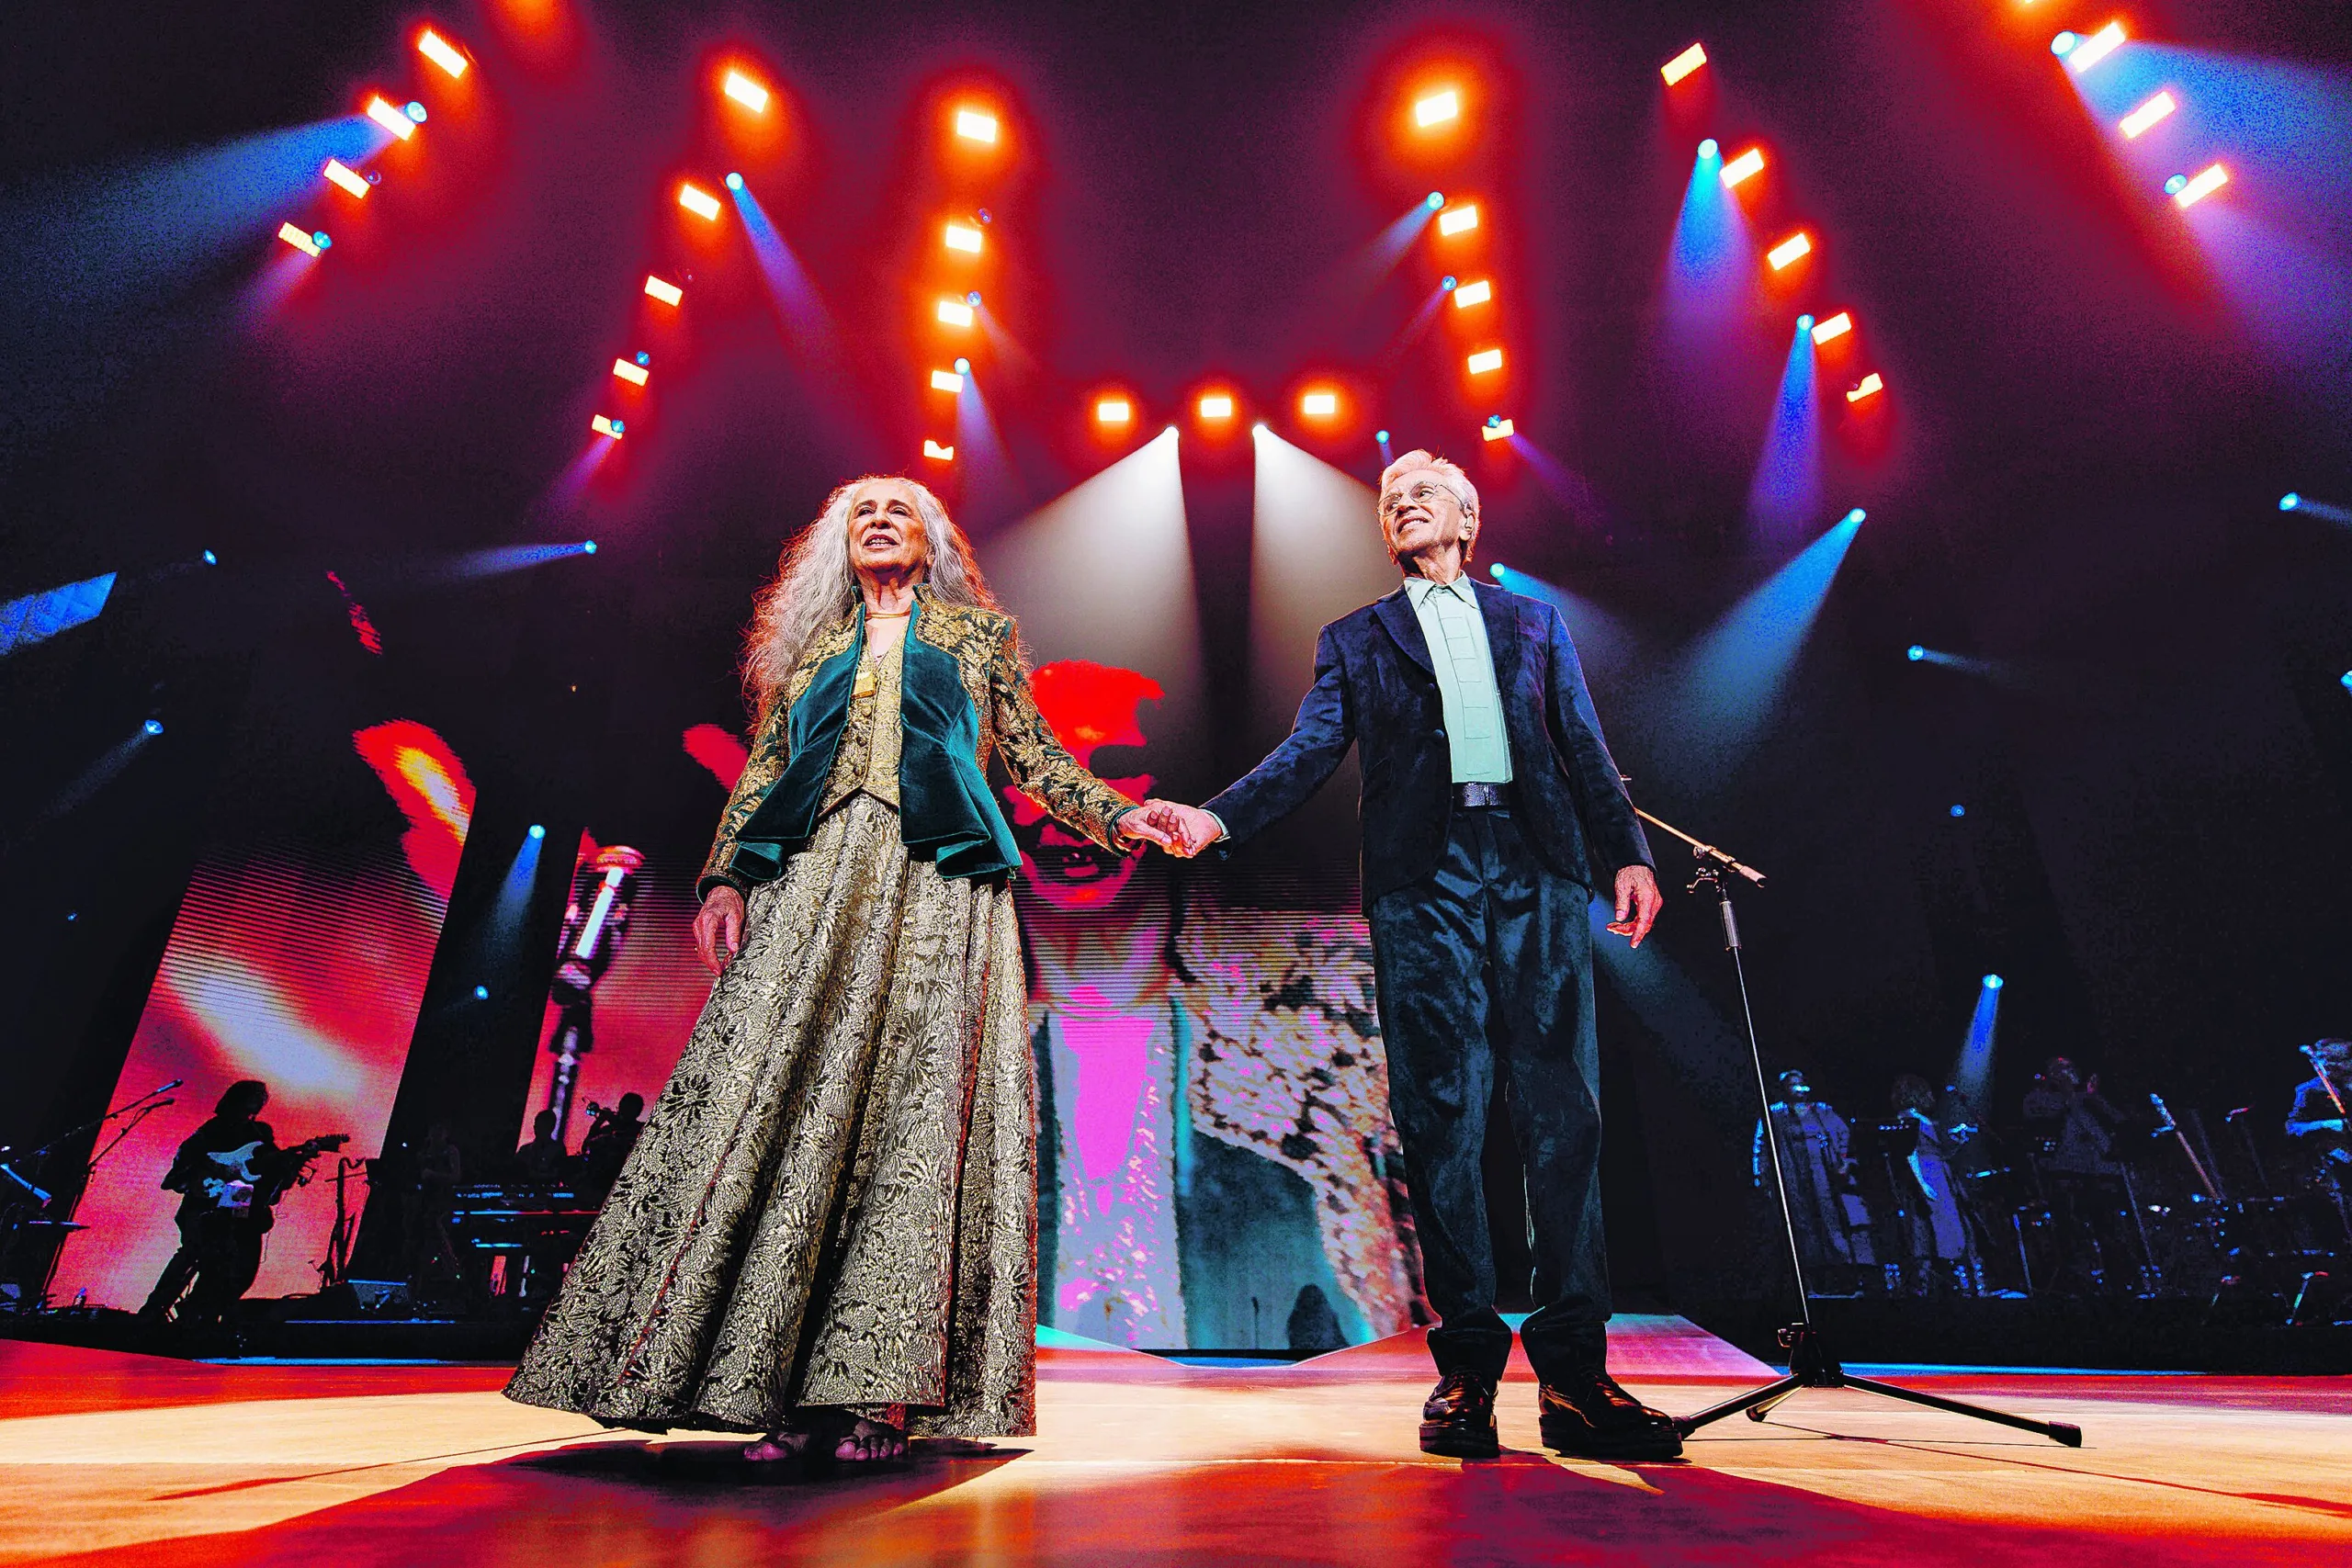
(241, 1177)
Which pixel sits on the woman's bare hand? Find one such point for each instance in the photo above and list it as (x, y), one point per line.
(719, 927)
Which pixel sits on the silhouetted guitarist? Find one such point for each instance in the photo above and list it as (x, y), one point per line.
(230, 1173)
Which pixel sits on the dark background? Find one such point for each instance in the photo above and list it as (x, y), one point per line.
(2077, 477)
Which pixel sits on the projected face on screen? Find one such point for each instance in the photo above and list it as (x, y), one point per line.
(1092, 707)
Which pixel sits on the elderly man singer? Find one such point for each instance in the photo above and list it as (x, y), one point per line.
(1490, 810)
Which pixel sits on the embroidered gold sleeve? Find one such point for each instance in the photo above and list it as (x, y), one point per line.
(771, 750)
(1041, 769)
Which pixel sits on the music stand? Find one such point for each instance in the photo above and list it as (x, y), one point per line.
(1811, 1365)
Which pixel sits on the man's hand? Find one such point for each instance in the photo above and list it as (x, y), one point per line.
(1188, 828)
(719, 927)
(1136, 826)
(1639, 902)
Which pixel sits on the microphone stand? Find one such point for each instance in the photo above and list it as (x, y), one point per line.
(1811, 1364)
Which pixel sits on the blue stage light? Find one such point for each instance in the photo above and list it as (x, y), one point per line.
(1805, 323)
(211, 560)
(1708, 149)
(1436, 200)
(538, 831)
(644, 358)
(2063, 44)
(1992, 982)
(320, 238)
(963, 365)
(2176, 185)
(1493, 419)
(481, 993)
(1960, 811)
(2288, 502)
(1496, 571)
(589, 547)
(619, 428)
(1915, 653)
(973, 297)
(153, 726)
(983, 216)
(734, 180)
(1449, 283)
(1381, 436)
(416, 111)
(1858, 516)
(2347, 679)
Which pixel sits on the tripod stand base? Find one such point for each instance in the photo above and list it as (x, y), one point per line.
(1812, 1366)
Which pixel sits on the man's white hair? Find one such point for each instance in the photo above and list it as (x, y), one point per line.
(815, 586)
(1450, 475)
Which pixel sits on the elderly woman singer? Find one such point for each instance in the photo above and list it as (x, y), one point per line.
(827, 1231)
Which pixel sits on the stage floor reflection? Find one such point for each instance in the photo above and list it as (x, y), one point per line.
(120, 1460)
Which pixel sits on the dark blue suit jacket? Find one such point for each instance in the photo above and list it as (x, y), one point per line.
(1375, 688)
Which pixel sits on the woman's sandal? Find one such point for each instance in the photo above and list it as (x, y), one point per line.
(863, 1441)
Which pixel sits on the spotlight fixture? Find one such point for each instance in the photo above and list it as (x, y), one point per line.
(1114, 412)
(1795, 247)
(1744, 167)
(1496, 571)
(153, 726)
(635, 375)
(391, 118)
(414, 111)
(1869, 385)
(734, 180)
(1682, 64)
(1434, 200)
(2146, 115)
(1837, 326)
(1710, 148)
(1915, 653)
(2288, 502)
(301, 239)
(954, 313)
(936, 453)
(667, 293)
(587, 547)
(604, 426)
(964, 237)
(746, 92)
(435, 49)
(1321, 403)
(946, 381)
(1471, 294)
(2085, 53)
(1993, 982)
(346, 177)
(1486, 359)
(973, 297)
(643, 357)
(1804, 322)
(538, 831)
(976, 125)
(963, 365)
(1497, 429)
(1457, 219)
(1437, 108)
(481, 993)
(1858, 516)
(2195, 190)
(1216, 405)
(1959, 810)
(697, 201)
(1381, 436)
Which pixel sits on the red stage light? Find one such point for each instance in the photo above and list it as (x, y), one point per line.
(1498, 430)
(1217, 407)
(963, 237)
(1456, 219)
(1746, 167)
(299, 238)
(1486, 359)
(936, 453)
(604, 426)
(667, 293)
(1837, 326)
(746, 92)
(1869, 385)
(435, 49)
(1794, 248)
(1320, 404)
(954, 313)
(1471, 294)
(391, 118)
(1682, 64)
(697, 201)
(348, 178)
(946, 381)
(1114, 414)
(630, 371)
(977, 124)
(1438, 107)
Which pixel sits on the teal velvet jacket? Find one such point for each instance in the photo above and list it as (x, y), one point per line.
(964, 698)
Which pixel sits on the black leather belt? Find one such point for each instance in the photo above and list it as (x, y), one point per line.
(1481, 796)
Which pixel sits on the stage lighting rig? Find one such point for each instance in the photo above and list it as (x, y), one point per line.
(1485, 360)
(963, 237)
(2138, 122)
(936, 453)
(1496, 428)
(946, 381)
(1468, 293)
(1744, 167)
(436, 49)
(344, 178)
(2187, 192)
(1437, 108)
(746, 92)
(1867, 387)
(1835, 327)
(391, 118)
(1114, 414)
(1796, 248)
(954, 314)
(698, 201)
(308, 242)
(977, 124)
(663, 290)
(1682, 64)
(602, 425)
(1457, 220)
(634, 373)
(1320, 404)
(2081, 53)
(1215, 407)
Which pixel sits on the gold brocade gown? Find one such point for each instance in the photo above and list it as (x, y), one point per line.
(834, 1198)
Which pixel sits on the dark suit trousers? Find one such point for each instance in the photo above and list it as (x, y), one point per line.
(1484, 966)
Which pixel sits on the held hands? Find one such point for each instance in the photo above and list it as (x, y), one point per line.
(1188, 829)
(719, 927)
(1639, 902)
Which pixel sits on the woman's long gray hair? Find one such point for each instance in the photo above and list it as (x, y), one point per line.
(815, 587)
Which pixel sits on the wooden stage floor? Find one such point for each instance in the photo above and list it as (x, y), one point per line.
(111, 1459)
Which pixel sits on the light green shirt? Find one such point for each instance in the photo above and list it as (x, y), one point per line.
(1465, 678)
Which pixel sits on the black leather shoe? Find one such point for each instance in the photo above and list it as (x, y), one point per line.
(1590, 1416)
(1458, 1417)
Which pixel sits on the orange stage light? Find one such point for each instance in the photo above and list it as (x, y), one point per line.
(2094, 48)
(746, 92)
(667, 293)
(964, 237)
(350, 179)
(1499, 430)
(1869, 385)
(697, 201)
(1486, 359)
(1795, 246)
(936, 453)
(1682, 64)
(434, 47)
(1471, 294)
(391, 118)
(1437, 108)
(1454, 219)
(954, 313)
(604, 426)
(2146, 115)
(1216, 405)
(1322, 403)
(1836, 326)
(976, 125)
(1746, 167)
(297, 238)
(1114, 411)
(630, 371)
(2204, 184)
(946, 381)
